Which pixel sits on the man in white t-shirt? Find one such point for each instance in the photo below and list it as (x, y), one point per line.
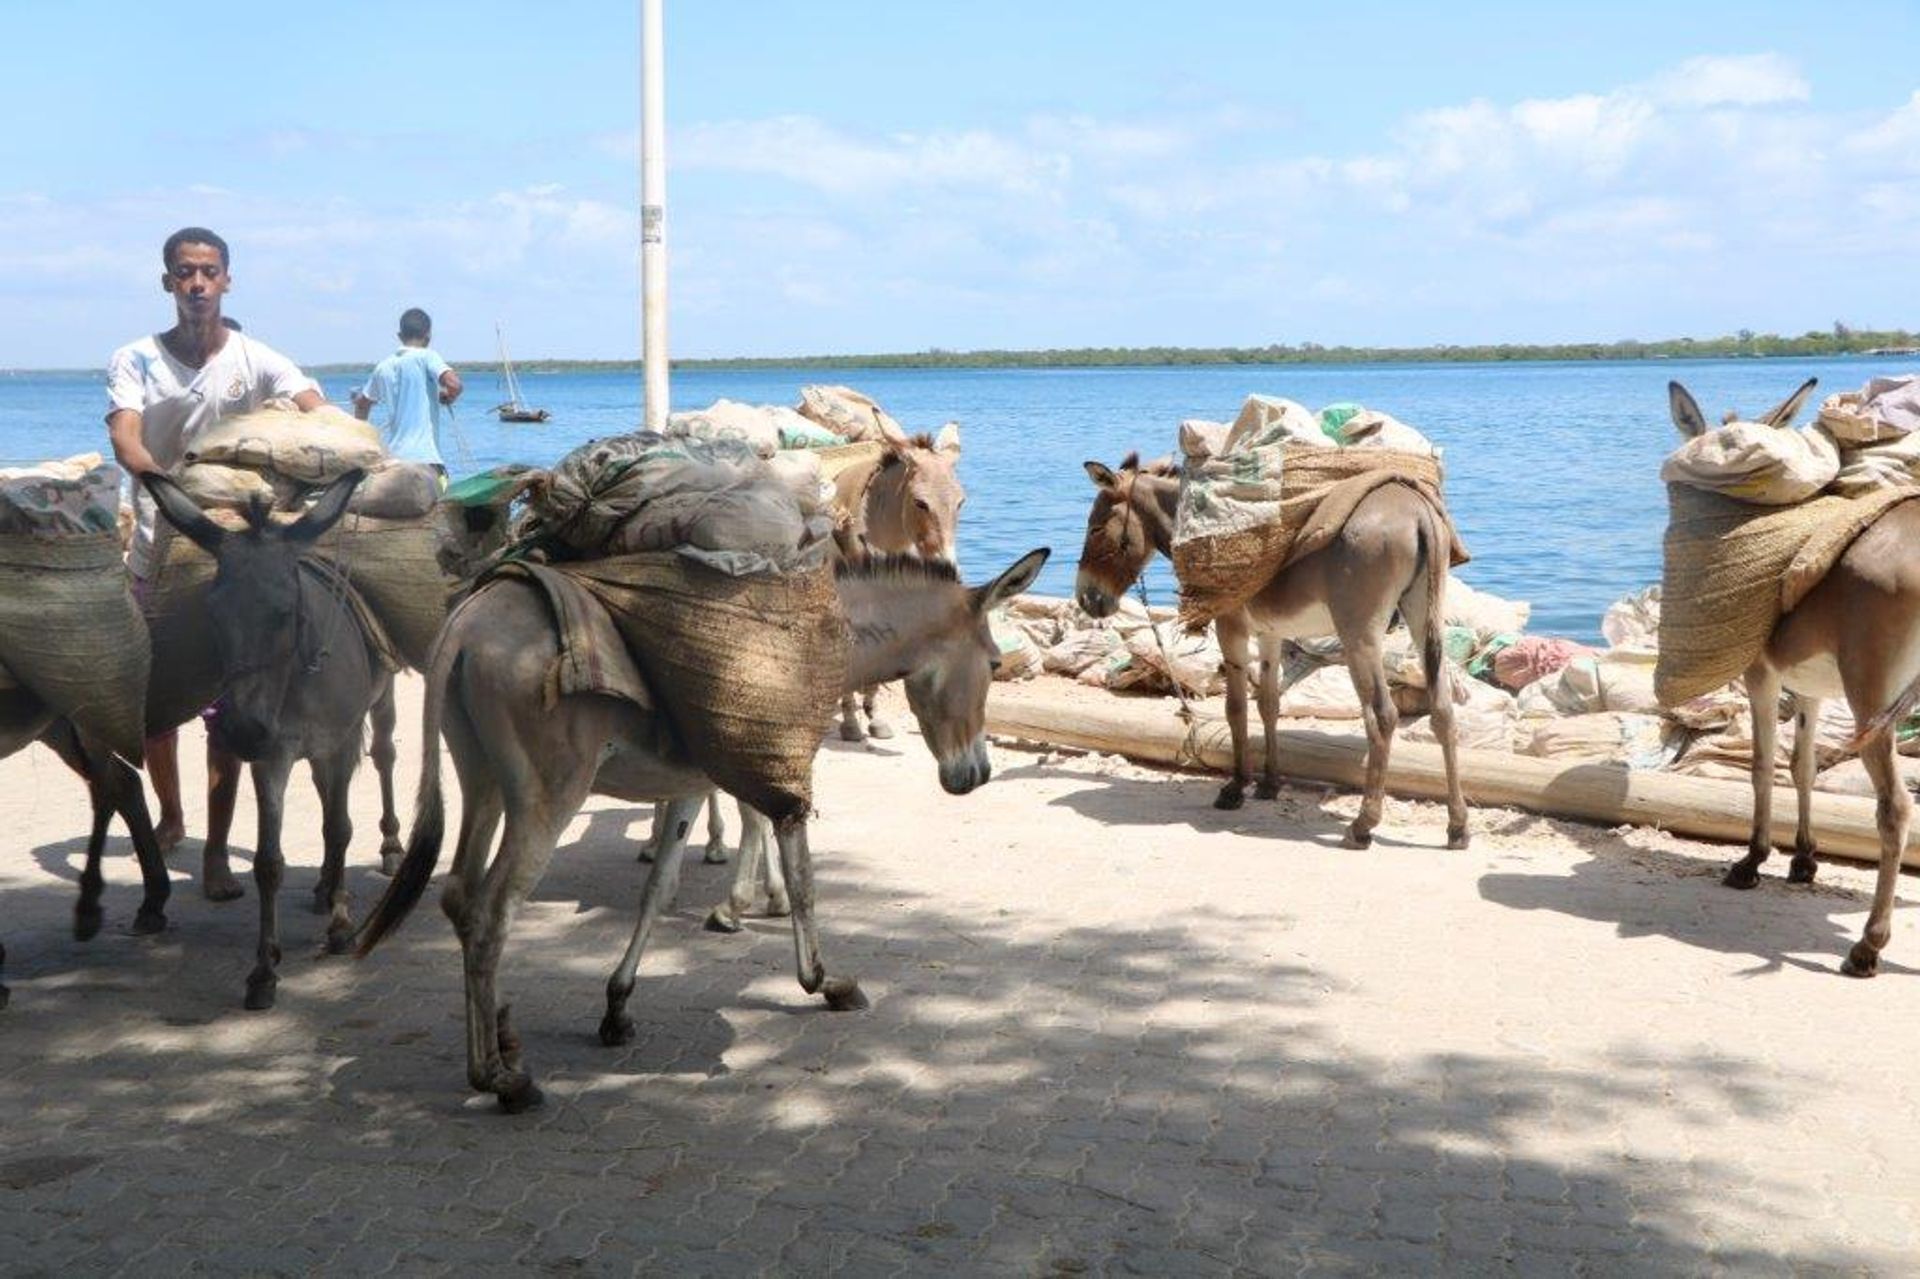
(162, 392)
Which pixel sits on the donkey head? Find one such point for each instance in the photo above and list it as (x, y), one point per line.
(948, 689)
(1691, 421)
(1120, 532)
(914, 502)
(254, 603)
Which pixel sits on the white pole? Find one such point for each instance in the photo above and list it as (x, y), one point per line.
(653, 213)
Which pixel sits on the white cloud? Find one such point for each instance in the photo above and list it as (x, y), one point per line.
(812, 153)
(1749, 80)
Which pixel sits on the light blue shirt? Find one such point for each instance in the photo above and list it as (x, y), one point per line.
(408, 383)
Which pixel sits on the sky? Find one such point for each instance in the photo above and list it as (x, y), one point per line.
(858, 177)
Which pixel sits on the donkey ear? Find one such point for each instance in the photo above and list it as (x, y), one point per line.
(1012, 582)
(326, 509)
(892, 432)
(1686, 411)
(183, 514)
(1101, 474)
(948, 441)
(1783, 413)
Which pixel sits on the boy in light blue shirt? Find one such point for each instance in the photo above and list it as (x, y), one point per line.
(413, 382)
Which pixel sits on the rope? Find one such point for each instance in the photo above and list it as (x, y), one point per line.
(1179, 690)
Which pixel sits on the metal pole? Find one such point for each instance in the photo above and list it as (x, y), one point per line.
(653, 213)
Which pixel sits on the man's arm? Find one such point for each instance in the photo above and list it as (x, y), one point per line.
(450, 386)
(362, 406)
(129, 449)
(309, 400)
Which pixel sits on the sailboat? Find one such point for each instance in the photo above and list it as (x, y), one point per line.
(515, 409)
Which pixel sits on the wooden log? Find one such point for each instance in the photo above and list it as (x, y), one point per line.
(1064, 714)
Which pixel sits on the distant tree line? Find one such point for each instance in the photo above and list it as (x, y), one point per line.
(1841, 339)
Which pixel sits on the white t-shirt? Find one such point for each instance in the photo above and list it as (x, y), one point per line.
(177, 402)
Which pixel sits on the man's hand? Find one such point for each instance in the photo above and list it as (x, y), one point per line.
(450, 387)
(123, 431)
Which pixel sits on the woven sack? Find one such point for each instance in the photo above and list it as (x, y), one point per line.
(313, 448)
(749, 670)
(69, 631)
(1730, 571)
(1219, 573)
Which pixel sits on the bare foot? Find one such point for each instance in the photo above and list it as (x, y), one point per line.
(169, 833)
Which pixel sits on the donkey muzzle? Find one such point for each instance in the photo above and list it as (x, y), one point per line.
(968, 770)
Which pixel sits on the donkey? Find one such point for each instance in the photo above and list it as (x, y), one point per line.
(113, 787)
(301, 676)
(533, 762)
(906, 503)
(1391, 555)
(1855, 635)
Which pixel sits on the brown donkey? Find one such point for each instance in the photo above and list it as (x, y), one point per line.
(1391, 555)
(907, 503)
(1855, 635)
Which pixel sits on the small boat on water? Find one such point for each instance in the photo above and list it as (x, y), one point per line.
(514, 409)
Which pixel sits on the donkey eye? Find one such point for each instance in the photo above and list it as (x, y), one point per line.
(921, 502)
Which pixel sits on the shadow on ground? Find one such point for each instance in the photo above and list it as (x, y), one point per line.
(1150, 1099)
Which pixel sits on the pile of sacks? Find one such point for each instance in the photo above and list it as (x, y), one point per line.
(1544, 696)
(281, 456)
(826, 417)
(716, 501)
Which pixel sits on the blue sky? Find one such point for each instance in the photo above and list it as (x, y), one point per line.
(890, 176)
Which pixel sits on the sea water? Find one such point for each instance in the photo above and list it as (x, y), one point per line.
(1552, 468)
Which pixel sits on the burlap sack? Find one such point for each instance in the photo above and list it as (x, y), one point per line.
(1732, 569)
(1755, 462)
(749, 670)
(69, 631)
(847, 413)
(396, 490)
(314, 448)
(760, 426)
(1320, 488)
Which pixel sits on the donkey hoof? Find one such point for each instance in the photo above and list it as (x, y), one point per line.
(340, 940)
(616, 1029)
(322, 899)
(518, 1094)
(261, 988)
(1803, 869)
(390, 859)
(1359, 837)
(1458, 838)
(843, 995)
(646, 855)
(149, 920)
(779, 907)
(879, 729)
(717, 855)
(5, 995)
(1266, 790)
(1231, 796)
(722, 920)
(86, 922)
(852, 733)
(1742, 874)
(1862, 961)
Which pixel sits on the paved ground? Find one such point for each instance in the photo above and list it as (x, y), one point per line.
(1112, 1031)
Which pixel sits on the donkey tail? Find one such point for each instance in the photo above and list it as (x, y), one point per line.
(410, 882)
(1902, 706)
(1435, 550)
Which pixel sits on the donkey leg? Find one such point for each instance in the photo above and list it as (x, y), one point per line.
(92, 768)
(383, 714)
(1805, 863)
(481, 806)
(850, 730)
(842, 994)
(269, 796)
(1381, 718)
(616, 1027)
(1440, 709)
(1890, 813)
(493, 1057)
(1232, 632)
(333, 779)
(716, 854)
(876, 727)
(657, 837)
(5, 994)
(753, 868)
(1269, 700)
(1763, 699)
(128, 797)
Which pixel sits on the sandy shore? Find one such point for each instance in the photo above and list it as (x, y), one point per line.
(1113, 1029)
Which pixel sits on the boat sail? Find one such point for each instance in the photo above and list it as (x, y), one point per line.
(514, 409)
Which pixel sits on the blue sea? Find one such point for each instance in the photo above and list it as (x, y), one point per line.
(1552, 468)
